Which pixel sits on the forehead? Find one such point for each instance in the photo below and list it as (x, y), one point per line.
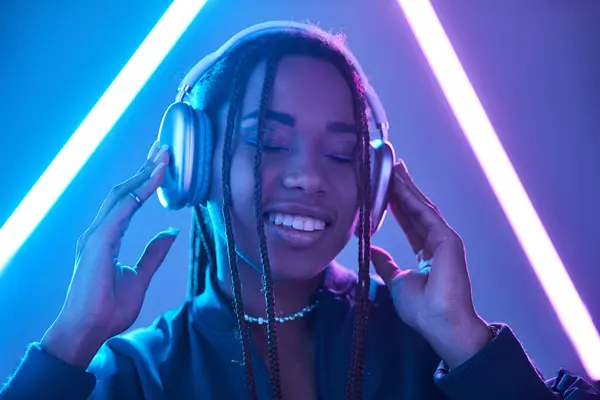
(305, 87)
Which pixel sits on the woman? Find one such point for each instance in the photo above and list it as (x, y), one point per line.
(287, 184)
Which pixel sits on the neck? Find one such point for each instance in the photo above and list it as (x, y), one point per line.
(290, 296)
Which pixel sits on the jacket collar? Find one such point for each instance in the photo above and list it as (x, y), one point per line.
(212, 311)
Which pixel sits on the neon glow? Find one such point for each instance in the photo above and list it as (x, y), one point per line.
(519, 210)
(96, 125)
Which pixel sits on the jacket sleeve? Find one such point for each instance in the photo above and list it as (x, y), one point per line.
(110, 375)
(43, 376)
(503, 371)
(122, 370)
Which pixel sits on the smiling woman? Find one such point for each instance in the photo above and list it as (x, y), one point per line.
(272, 150)
(307, 175)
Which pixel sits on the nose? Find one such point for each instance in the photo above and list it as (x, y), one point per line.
(304, 173)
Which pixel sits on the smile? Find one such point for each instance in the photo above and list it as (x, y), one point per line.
(297, 222)
(296, 231)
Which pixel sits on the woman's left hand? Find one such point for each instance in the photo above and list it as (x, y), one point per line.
(436, 299)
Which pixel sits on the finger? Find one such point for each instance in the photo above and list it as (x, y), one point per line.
(131, 184)
(415, 231)
(116, 222)
(401, 169)
(416, 239)
(154, 254)
(115, 195)
(153, 152)
(397, 210)
(384, 264)
(119, 191)
(439, 231)
(426, 218)
(417, 208)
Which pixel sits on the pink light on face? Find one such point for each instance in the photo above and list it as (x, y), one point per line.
(505, 183)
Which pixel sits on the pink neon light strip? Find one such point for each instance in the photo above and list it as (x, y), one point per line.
(501, 175)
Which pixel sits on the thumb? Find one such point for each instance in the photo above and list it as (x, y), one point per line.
(155, 253)
(384, 264)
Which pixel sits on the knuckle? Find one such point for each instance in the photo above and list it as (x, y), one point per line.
(454, 238)
(84, 237)
(116, 190)
(80, 245)
(443, 232)
(81, 239)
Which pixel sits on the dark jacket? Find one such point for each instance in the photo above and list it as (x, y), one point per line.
(193, 353)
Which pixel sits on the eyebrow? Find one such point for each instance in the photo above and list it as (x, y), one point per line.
(289, 120)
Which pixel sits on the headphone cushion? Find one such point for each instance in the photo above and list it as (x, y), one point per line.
(189, 136)
(382, 164)
(204, 149)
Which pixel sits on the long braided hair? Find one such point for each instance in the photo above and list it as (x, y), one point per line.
(226, 83)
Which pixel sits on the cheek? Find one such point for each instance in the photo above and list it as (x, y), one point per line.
(344, 179)
(347, 182)
(242, 181)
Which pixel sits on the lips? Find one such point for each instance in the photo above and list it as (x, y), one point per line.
(298, 222)
(291, 237)
(301, 210)
(297, 225)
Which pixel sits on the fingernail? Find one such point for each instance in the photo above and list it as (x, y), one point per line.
(172, 231)
(162, 151)
(158, 168)
(153, 150)
(401, 161)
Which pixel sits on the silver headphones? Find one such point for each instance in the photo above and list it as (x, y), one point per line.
(188, 132)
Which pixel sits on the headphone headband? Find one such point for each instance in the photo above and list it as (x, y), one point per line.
(196, 73)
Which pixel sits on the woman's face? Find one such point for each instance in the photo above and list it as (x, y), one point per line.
(309, 168)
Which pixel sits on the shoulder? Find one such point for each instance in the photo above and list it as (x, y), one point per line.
(130, 363)
(153, 341)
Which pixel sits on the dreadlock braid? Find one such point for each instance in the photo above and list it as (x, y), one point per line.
(364, 276)
(227, 202)
(264, 256)
(351, 385)
(354, 385)
(193, 289)
(202, 251)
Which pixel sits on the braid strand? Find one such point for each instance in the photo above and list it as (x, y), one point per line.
(266, 265)
(231, 251)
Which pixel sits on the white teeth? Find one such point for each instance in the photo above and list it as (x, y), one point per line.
(288, 220)
(278, 219)
(309, 225)
(297, 222)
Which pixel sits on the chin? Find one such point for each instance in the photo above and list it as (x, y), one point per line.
(295, 272)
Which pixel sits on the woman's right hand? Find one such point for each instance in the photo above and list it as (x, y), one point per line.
(105, 297)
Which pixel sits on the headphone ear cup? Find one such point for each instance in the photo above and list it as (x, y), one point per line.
(189, 136)
(204, 148)
(382, 165)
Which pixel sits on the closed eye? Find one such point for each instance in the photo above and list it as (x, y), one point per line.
(341, 158)
(265, 146)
